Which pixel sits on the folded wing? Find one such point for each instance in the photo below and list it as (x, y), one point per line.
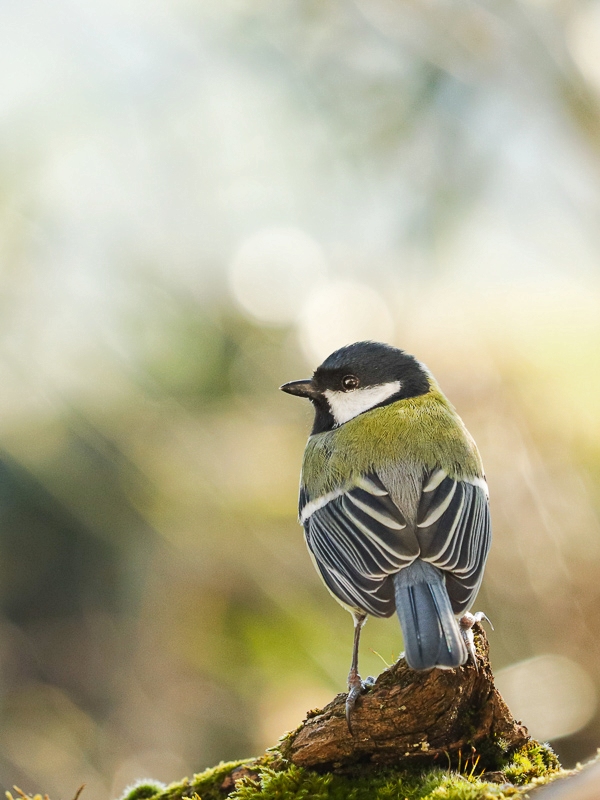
(454, 533)
(359, 538)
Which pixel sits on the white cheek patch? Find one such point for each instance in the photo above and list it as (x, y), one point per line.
(347, 405)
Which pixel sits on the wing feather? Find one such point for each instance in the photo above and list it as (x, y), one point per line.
(358, 538)
(458, 539)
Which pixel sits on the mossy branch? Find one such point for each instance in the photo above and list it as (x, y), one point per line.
(442, 717)
(442, 735)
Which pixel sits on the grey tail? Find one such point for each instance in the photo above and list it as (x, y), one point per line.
(431, 634)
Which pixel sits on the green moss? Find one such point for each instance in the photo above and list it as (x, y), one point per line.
(533, 760)
(295, 783)
(206, 785)
(143, 790)
(272, 778)
(493, 754)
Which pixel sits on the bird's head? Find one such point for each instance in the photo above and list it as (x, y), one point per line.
(357, 378)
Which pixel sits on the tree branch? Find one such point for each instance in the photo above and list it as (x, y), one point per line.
(442, 716)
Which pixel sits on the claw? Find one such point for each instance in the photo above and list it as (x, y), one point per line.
(351, 699)
(466, 623)
(479, 616)
(356, 687)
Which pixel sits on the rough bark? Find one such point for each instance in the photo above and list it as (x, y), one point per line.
(441, 716)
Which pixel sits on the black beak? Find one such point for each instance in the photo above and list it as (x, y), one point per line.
(304, 388)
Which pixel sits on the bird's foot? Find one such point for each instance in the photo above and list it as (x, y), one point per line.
(465, 624)
(356, 686)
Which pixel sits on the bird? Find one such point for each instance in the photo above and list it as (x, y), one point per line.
(394, 503)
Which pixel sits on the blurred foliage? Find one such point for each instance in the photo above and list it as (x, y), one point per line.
(159, 610)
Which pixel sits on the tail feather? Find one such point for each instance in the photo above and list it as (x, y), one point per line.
(431, 634)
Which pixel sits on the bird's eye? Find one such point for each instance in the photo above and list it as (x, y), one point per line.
(350, 382)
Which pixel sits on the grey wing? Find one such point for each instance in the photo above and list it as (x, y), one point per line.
(454, 533)
(359, 538)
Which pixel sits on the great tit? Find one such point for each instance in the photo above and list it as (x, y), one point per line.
(394, 502)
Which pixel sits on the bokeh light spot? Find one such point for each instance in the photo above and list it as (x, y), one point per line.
(342, 312)
(553, 695)
(583, 40)
(274, 271)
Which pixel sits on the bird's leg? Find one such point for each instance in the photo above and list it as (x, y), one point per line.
(465, 624)
(355, 684)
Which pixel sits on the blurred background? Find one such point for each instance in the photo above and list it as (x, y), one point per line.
(198, 202)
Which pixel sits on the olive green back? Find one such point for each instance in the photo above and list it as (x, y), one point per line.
(423, 431)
